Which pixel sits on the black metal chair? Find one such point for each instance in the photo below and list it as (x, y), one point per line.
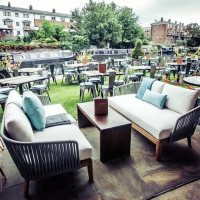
(105, 89)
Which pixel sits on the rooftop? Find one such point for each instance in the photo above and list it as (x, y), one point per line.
(39, 12)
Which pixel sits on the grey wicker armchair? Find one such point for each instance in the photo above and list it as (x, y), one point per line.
(37, 160)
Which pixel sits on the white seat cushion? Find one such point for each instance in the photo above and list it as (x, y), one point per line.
(66, 132)
(17, 124)
(157, 122)
(179, 99)
(56, 109)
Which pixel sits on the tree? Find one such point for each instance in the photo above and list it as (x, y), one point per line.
(46, 30)
(59, 33)
(99, 22)
(80, 42)
(130, 28)
(137, 51)
(193, 30)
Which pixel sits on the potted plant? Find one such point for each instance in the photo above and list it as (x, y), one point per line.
(137, 51)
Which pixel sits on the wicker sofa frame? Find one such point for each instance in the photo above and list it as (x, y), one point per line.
(37, 160)
(184, 128)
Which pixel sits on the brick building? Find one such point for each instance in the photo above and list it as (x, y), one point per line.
(167, 31)
(16, 21)
(147, 33)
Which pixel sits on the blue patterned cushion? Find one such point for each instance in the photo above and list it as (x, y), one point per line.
(34, 110)
(155, 99)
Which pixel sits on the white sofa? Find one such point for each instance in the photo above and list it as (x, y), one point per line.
(175, 121)
(40, 154)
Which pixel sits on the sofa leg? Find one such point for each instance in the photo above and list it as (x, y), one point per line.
(90, 170)
(189, 142)
(26, 188)
(159, 146)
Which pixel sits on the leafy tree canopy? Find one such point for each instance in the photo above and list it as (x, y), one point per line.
(193, 30)
(107, 24)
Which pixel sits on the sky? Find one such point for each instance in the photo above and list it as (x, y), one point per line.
(184, 11)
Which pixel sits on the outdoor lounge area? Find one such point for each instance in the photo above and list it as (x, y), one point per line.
(127, 173)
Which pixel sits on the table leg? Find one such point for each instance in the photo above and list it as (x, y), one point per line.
(83, 121)
(178, 75)
(78, 69)
(115, 142)
(20, 89)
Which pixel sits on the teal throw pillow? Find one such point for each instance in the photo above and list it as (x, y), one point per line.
(34, 110)
(155, 99)
(146, 84)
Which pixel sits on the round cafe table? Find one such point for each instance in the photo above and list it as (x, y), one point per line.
(192, 80)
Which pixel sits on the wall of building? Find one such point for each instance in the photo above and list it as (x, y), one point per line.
(18, 27)
(158, 33)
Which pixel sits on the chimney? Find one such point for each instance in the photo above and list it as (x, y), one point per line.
(161, 19)
(182, 24)
(169, 20)
(9, 5)
(30, 7)
(54, 10)
(175, 22)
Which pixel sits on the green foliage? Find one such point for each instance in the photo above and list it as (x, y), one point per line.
(193, 30)
(80, 42)
(47, 30)
(50, 40)
(181, 42)
(107, 24)
(145, 42)
(137, 51)
(65, 45)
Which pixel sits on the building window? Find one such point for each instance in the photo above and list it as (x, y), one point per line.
(16, 14)
(62, 19)
(18, 32)
(9, 23)
(42, 17)
(8, 32)
(17, 23)
(26, 23)
(53, 18)
(26, 15)
(7, 13)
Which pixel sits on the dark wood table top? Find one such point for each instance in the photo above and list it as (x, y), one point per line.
(192, 80)
(19, 80)
(112, 119)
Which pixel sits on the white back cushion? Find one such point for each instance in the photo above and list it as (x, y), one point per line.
(17, 124)
(157, 87)
(179, 99)
(14, 97)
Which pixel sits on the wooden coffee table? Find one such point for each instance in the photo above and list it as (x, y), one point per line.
(115, 130)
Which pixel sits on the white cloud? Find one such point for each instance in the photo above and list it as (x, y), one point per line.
(185, 11)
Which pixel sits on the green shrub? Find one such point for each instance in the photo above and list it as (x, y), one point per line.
(137, 51)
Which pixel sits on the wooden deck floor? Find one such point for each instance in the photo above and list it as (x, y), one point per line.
(138, 176)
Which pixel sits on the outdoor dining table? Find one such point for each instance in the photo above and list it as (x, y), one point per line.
(192, 80)
(28, 71)
(178, 65)
(20, 80)
(78, 66)
(96, 73)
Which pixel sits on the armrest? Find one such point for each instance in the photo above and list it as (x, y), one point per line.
(185, 125)
(43, 159)
(130, 88)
